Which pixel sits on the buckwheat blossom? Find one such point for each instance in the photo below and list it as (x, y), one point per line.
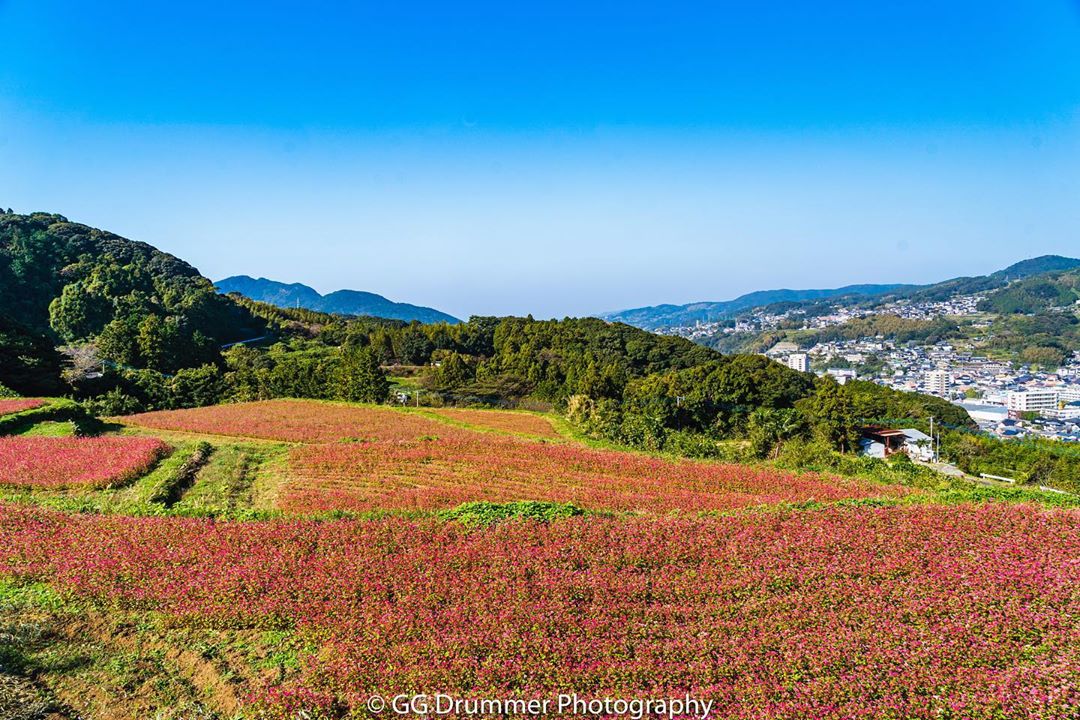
(93, 462)
(374, 458)
(969, 611)
(15, 405)
(294, 421)
(457, 467)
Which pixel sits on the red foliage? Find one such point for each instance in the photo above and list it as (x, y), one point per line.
(461, 466)
(292, 421)
(15, 405)
(97, 462)
(903, 612)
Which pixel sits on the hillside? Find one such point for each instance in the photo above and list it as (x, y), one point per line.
(1037, 266)
(661, 316)
(64, 283)
(340, 302)
(1036, 294)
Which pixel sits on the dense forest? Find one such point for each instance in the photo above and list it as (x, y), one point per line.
(66, 284)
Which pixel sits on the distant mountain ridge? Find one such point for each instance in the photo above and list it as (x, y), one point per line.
(340, 302)
(657, 317)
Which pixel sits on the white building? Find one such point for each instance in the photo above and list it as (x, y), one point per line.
(1037, 401)
(884, 443)
(841, 375)
(782, 347)
(918, 444)
(1069, 393)
(938, 382)
(799, 361)
(1069, 412)
(983, 413)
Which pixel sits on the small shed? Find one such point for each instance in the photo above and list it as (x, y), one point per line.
(881, 442)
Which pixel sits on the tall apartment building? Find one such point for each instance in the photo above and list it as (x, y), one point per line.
(799, 361)
(938, 382)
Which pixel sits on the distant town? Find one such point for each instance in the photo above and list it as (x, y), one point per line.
(1007, 399)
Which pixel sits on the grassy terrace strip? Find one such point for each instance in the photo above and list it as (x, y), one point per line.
(16, 405)
(923, 611)
(169, 490)
(299, 421)
(522, 423)
(462, 466)
(67, 462)
(55, 409)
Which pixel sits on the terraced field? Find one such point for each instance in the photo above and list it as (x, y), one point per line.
(903, 612)
(462, 466)
(296, 421)
(62, 462)
(10, 406)
(198, 586)
(514, 422)
(369, 458)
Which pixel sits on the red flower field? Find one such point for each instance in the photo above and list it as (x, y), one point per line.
(15, 405)
(293, 421)
(460, 466)
(516, 422)
(59, 462)
(403, 461)
(903, 612)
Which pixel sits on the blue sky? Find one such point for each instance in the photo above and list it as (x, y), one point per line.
(553, 158)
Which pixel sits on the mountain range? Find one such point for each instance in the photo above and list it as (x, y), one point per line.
(658, 317)
(341, 302)
(661, 316)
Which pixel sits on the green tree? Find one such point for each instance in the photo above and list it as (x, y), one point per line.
(769, 428)
(119, 342)
(78, 313)
(452, 372)
(152, 340)
(195, 387)
(833, 417)
(360, 378)
(247, 373)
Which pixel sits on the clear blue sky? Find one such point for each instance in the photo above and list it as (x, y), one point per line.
(554, 158)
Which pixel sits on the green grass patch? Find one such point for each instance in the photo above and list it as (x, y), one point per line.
(50, 428)
(17, 595)
(479, 514)
(55, 410)
(173, 485)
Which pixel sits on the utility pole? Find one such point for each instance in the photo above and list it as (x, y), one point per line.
(933, 452)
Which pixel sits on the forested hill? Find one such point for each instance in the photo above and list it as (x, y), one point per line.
(341, 302)
(1038, 294)
(1037, 266)
(66, 283)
